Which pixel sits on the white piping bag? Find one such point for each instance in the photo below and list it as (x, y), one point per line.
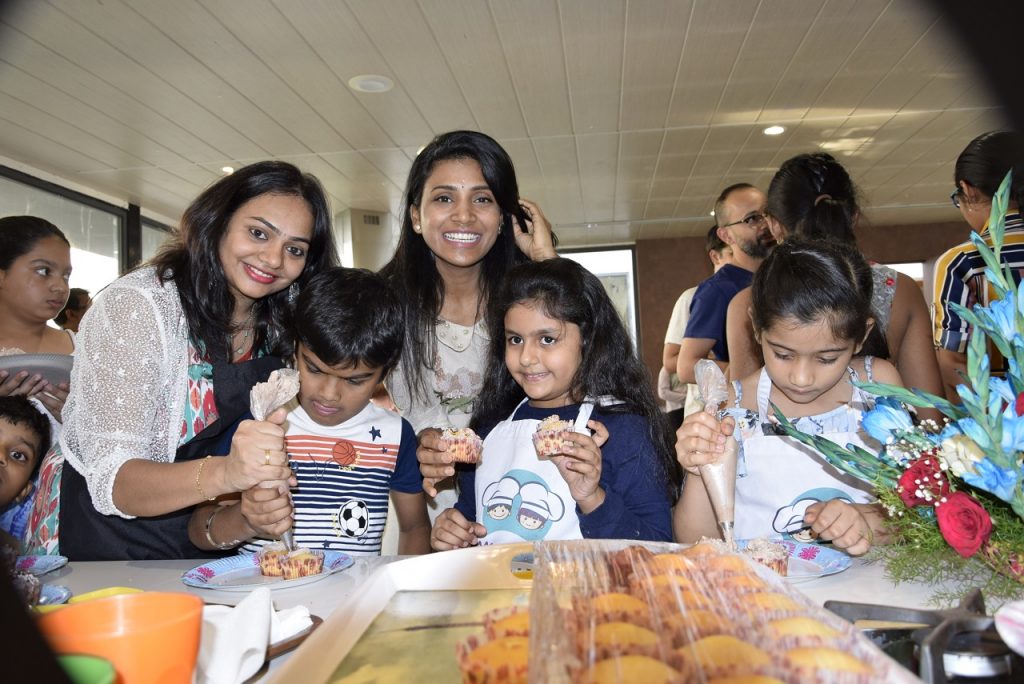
(720, 476)
(264, 399)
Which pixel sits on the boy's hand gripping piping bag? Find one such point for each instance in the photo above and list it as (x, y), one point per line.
(720, 476)
(264, 399)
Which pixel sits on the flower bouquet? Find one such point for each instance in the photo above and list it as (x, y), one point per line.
(954, 492)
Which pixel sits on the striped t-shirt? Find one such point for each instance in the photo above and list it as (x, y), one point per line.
(960, 278)
(345, 474)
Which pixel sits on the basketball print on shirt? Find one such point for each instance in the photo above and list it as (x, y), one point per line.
(344, 454)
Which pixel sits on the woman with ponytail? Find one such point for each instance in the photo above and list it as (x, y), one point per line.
(813, 197)
(960, 271)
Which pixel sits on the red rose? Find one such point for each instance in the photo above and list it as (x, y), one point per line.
(1018, 405)
(964, 524)
(923, 483)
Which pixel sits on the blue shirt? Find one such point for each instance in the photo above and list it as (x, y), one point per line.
(636, 504)
(710, 303)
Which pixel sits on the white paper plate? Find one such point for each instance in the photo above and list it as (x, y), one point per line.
(40, 565)
(242, 573)
(56, 368)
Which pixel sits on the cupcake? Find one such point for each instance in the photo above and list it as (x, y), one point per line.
(497, 661)
(692, 625)
(610, 639)
(723, 656)
(825, 664)
(612, 607)
(769, 554)
(505, 622)
(463, 444)
(628, 562)
(302, 563)
(270, 559)
(548, 439)
(800, 632)
(631, 668)
(27, 586)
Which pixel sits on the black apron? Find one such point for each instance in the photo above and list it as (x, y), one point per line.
(86, 534)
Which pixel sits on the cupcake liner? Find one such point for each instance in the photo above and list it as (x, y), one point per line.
(302, 563)
(506, 622)
(476, 668)
(550, 443)
(463, 445)
(270, 559)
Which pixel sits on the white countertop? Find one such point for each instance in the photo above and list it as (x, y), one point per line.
(862, 582)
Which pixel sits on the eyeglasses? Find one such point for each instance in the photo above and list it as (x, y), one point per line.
(955, 198)
(752, 220)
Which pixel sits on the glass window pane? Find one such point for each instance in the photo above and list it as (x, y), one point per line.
(152, 239)
(94, 234)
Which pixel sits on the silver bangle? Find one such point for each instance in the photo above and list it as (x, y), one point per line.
(222, 546)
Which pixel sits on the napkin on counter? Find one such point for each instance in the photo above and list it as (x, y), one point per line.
(234, 640)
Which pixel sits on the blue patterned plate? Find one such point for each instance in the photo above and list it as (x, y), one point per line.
(242, 573)
(807, 561)
(40, 565)
(53, 594)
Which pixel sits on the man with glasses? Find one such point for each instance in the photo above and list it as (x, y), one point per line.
(739, 211)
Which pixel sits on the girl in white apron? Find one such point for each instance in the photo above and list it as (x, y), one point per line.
(560, 342)
(811, 312)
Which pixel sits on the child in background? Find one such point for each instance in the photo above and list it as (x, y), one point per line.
(24, 438)
(347, 454)
(811, 309)
(558, 347)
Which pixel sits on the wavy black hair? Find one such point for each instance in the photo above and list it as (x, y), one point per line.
(568, 292)
(411, 270)
(810, 280)
(19, 234)
(350, 316)
(192, 258)
(813, 196)
(987, 158)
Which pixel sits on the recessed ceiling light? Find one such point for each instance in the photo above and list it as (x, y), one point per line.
(227, 170)
(371, 83)
(711, 213)
(774, 130)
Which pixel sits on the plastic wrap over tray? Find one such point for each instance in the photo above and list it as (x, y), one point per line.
(607, 611)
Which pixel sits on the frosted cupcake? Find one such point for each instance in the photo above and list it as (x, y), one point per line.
(463, 444)
(270, 559)
(549, 439)
(302, 563)
(769, 554)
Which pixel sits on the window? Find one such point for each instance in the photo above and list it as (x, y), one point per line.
(615, 268)
(93, 230)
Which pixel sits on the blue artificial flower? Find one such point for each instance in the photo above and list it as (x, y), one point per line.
(1002, 387)
(948, 431)
(993, 479)
(887, 418)
(1013, 430)
(970, 427)
(1001, 315)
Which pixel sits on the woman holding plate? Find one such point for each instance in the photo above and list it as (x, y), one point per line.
(167, 356)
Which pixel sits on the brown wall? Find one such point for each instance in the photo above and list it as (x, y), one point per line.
(667, 267)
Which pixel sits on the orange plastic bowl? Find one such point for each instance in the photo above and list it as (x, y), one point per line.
(149, 637)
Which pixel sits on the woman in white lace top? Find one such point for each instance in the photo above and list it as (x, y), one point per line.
(464, 226)
(165, 361)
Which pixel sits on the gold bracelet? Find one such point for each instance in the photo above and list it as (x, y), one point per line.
(222, 546)
(199, 486)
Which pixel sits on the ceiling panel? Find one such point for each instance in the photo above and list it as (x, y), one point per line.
(625, 118)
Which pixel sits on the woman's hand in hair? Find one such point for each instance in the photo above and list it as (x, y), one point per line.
(268, 511)
(453, 531)
(53, 398)
(257, 454)
(435, 461)
(580, 466)
(535, 239)
(701, 439)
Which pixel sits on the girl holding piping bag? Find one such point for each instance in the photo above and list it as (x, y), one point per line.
(812, 316)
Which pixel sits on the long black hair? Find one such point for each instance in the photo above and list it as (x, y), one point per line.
(813, 196)
(411, 271)
(19, 234)
(987, 158)
(566, 291)
(192, 259)
(810, 280)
